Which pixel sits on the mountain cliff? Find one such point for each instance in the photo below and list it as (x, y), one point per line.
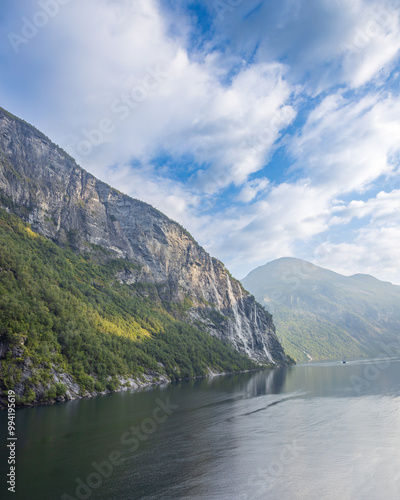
(321, 314)
(43, 186)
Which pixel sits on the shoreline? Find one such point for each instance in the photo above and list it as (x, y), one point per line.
(153, 380)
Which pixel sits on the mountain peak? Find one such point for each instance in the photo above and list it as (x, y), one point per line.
(323, 313)
(45, 187)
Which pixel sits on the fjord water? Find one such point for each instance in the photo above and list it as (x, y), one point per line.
(327, 430)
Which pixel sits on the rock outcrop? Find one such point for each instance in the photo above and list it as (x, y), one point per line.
(44, 186)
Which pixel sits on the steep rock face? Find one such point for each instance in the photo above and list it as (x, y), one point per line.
(44, 186)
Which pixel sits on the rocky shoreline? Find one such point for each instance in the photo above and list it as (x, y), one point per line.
(73, 391)
(127, 383)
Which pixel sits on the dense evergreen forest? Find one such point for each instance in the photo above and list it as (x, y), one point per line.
(64, 311)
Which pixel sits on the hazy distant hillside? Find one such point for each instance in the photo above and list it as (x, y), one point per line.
(325, 314)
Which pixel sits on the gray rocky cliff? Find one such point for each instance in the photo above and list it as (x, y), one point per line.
(43, 185)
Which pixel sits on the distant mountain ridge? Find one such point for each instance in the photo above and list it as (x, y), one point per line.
(321, 314)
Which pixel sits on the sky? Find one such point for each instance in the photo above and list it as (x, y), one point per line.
(267, 129)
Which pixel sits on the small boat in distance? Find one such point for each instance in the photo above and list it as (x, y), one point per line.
(344, 361)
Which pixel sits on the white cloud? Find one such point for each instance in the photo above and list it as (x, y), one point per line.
(330, 42)
(246, 237)
(127, 89)
(375, 251)
(295, 214)
(384, 208)
(346, 145)
(278, 219)
(372, 43)
(252, 189)
(375, 248)
(217, 117)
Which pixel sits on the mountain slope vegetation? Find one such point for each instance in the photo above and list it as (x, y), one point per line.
(320, 314)
(99, 290)
(69, 312)
(44, 186)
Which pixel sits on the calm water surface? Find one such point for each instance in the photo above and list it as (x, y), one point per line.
(320, 431)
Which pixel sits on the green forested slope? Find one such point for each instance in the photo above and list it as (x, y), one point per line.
(324, 315)
(59, 309)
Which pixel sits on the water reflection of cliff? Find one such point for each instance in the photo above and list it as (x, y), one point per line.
(251, 384)
(267, 382)
(208, 429)
(242, 385)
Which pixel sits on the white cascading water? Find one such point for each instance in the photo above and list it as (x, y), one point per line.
(238, 326)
